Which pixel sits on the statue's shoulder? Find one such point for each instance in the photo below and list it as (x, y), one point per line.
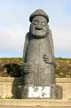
(49, 31)
(28, 36)
(49, 35)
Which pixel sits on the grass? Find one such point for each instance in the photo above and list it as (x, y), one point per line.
(12, 67)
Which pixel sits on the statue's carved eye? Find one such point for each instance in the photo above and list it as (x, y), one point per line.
(43, 23)
(35, 22)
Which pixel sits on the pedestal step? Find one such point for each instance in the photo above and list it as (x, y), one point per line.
(34, 103)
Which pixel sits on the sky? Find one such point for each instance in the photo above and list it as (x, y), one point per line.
(14, 24)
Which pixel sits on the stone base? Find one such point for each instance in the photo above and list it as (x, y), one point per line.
(39, 92)
(34, 103)
(48, 92)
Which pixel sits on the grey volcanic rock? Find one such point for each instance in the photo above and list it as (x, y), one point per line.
(39, 61)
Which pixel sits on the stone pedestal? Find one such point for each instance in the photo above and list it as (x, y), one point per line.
(48, 92)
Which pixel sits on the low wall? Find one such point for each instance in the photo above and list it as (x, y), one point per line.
(65, 83)
(8, 87)
(34, 103)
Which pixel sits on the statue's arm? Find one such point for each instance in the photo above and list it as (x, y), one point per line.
(51, 42)
(51, 59)
(25, 46)
(51, 45)
(27, 67)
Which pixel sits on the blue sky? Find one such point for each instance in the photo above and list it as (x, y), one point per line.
(14, 24)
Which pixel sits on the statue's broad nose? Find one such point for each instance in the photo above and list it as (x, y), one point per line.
(39, 27)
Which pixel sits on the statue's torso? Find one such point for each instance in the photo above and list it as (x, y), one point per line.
(35, 51)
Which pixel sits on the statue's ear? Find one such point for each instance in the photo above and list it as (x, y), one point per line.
(48, 30)
(30, 28)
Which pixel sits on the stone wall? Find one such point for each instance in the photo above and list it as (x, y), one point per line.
(34, 103)
(8, 87)
(65, 83)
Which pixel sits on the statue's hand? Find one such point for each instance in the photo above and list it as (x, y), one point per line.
(45, 58)
(49, 60)
(28, 67)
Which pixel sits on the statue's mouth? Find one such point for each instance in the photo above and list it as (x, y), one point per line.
(36, 28)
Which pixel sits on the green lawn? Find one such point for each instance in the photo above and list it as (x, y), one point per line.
(12, 67)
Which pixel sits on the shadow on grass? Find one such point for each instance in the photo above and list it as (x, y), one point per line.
(13, 70)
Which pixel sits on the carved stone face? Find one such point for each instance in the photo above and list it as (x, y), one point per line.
(39, 27)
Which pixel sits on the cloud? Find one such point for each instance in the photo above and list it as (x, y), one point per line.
(14, 24)
(62, 40)
(12, 40)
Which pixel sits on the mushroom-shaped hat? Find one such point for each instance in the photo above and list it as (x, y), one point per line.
(39, 12)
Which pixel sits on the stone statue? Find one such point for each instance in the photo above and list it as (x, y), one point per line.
(39, 62)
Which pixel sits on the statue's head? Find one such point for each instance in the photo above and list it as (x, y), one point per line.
(39, 23)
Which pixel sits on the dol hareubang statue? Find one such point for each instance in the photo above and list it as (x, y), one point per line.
(39, 62)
